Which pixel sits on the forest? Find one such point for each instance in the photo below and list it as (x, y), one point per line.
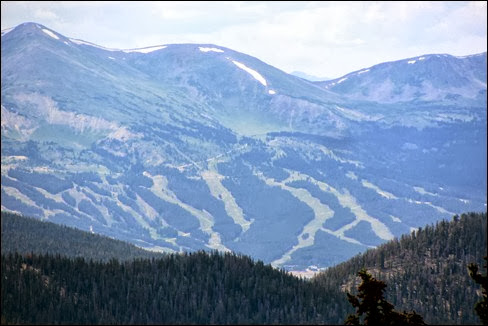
(425, 272)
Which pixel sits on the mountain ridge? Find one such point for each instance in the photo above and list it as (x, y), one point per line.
(388, 74)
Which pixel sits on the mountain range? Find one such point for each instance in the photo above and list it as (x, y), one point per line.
(184, 147)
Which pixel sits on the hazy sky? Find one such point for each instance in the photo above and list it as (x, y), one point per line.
(325, 39)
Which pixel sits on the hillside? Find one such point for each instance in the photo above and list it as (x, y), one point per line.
(191, 288)
(26, 235)
(425, 271)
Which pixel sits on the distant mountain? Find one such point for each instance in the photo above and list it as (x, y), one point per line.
(26, 235)
(306, 76)
(425, 271)
(434, 77)
(187, 147)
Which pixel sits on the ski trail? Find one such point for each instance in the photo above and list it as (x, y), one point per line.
(217, 189)
(160, 189)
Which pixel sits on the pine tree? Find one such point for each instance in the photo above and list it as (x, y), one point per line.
(370, 302)
(481, 307)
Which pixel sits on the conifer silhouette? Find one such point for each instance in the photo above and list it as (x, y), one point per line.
(370, 302)
(481, 307)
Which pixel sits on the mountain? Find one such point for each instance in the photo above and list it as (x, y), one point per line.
(439, 78)
(186, 147)
(426, 271)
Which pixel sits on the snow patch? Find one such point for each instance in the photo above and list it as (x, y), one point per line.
(271, 92)
(308, 273)
(395, 219)
(111, 58)
(421, 58)
(203, 49)
(252, 72)
(428, 203)
(341, 80)
(123, 134)
(422, 191)
(452, 117)
(470, 55)
(411, 62)
(146, 50)
(7, 30)
(380, 192)
(351, 175)
(362, 71)
(15, 158)
(81, 42)
(48, 32)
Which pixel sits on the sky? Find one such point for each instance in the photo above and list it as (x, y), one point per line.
(326, 39)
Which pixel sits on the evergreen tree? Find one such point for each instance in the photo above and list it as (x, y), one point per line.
(370, 302)
(481, 307)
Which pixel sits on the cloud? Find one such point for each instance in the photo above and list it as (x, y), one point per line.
(45, 14)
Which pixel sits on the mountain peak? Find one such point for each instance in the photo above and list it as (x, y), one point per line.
(27, 26)
(32, 28)
(429, 77)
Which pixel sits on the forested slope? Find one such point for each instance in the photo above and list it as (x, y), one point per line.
(28, 235)
(425, 271)
(198, 288)
(63, 275)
